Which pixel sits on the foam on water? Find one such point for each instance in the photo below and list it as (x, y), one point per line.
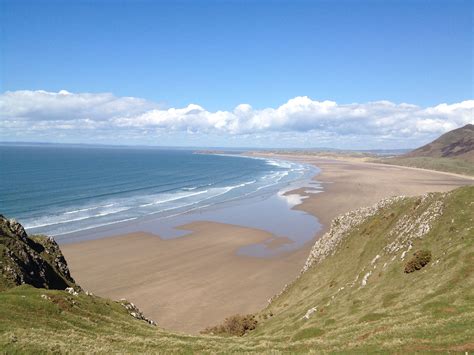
(88, 209)
(180, 200)
(175, 197)
(101, 190)
(60, 219)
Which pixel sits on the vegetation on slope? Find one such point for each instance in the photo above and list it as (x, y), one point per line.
(449, 165)
(359, 296)
(458, 143)
(237, 325)
(452, 152)
(353, 295)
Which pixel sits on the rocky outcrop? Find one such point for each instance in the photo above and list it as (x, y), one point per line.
(35, 260)
(414, 223)
(415, 226)
(38, 261)
(135, 312)
(340, 228)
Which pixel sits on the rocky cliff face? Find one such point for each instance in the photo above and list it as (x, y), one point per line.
(35, 260)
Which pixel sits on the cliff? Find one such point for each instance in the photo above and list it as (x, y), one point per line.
(35, 261)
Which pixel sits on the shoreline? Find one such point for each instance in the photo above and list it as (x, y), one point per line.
(167, 226)
(189, 283)
(365, 160)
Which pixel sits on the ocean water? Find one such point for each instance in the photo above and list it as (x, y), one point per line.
(68, 191)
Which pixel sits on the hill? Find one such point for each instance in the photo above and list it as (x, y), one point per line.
(397, 276)
(458, 143)
(451, 152)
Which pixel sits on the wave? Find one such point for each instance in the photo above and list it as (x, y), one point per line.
(89, 209)
(174, 208)
(172, 199)
(97, 226)
(53, 223)
(59, 221)
(173, 202)
(279, 163)
(277, 178)
(230, 188)
(225, 190)
(285, 173)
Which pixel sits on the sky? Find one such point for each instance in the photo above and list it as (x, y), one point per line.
(341, 74)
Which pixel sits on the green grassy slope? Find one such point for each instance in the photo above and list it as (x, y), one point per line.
(449, 165)
(429, 309)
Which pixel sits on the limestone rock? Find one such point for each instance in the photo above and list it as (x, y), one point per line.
(135, 312)
(36, 260)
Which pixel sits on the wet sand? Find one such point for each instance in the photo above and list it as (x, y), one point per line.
(192, 282)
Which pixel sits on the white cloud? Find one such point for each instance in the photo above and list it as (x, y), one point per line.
(51, 106)
(300, 121)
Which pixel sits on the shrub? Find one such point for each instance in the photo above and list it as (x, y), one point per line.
(419, 260)
(236, 325)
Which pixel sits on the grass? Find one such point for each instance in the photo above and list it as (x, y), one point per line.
(450, 165)
(307, 333)
(392, 299)
(428, 310)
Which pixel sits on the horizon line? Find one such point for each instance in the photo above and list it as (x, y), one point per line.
(105, 145)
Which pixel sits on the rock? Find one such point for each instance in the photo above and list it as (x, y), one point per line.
(135, 312)
(309, 312)
(340, 227)
(412, 226)
(71, 291)
(375, 259)
(36, 261)
(16, 228)
(365, 279)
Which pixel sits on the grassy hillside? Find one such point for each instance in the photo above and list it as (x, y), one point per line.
(430, 309)
(449, 165)
(458, 143)
(354, 294)
(452, 152)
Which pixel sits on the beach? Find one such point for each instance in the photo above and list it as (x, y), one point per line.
(189, 283)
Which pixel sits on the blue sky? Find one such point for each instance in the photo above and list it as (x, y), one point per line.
(220, 54)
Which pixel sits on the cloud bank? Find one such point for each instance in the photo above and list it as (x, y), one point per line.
(105, 118)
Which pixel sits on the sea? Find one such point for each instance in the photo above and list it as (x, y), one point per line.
(79, 192)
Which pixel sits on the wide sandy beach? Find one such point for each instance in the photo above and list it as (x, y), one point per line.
(192, 282)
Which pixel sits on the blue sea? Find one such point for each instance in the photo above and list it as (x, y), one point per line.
(66, 191)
